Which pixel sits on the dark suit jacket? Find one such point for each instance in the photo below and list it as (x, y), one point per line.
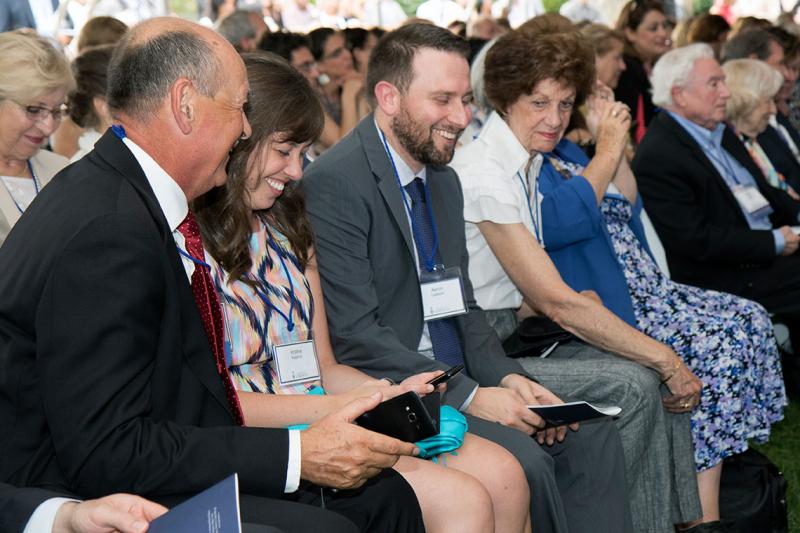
(15, 14)
(108, 383)
(699, 221)
(369, 273)
(17, 506)
(781, 156)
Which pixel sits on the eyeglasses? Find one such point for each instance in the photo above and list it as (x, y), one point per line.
(307, 66)
(39, 113)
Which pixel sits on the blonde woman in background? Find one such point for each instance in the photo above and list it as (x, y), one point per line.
(33, 93)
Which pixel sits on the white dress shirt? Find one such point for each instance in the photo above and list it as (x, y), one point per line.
(43, 518)
(489, 168)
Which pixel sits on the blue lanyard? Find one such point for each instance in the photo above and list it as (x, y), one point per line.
(290, 318)
(427, 259)
(723, 161)
(531, 210)
(35, 186)
(119, 130)
(192, 258)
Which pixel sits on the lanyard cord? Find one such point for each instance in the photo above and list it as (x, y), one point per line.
(35, 187)
(723, 161)
(534, 218)
(427, 259)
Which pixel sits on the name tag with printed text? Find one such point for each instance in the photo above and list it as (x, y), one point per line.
(296, 362)
(442, 294)
(751, 200)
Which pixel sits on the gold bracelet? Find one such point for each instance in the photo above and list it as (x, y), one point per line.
(675, 369)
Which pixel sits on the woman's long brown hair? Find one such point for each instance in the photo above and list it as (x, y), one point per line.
(280, 102)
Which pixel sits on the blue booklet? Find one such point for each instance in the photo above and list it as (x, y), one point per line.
(215, 510)
(570, 412)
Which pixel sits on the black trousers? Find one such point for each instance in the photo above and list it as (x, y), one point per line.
(384, 504)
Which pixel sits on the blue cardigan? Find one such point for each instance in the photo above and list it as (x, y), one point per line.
(576, 237)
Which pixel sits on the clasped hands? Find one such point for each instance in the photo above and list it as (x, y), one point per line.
(508, 405)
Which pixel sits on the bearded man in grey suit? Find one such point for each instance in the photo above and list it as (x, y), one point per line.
(387, 215)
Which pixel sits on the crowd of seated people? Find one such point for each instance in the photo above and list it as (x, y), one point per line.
(220, 247)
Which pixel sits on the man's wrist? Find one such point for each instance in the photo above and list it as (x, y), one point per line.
(511, 380)
(62, 521)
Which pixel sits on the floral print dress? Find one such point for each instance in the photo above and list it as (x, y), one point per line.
(727, 341)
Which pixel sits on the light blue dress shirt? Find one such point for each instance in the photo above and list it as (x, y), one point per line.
(734, 174)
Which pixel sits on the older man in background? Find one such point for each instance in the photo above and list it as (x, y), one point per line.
(723, 226)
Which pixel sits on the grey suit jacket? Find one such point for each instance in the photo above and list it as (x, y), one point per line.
(368, 270)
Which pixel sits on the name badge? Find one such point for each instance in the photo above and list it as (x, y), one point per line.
(442, 294)
(751, 200)
(296, 362)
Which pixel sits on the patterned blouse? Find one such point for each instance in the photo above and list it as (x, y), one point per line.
(252, 326)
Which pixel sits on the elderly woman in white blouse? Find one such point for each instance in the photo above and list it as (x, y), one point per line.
(533, 83)
(33, 90)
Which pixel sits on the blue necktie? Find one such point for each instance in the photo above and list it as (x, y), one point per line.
(444, 334)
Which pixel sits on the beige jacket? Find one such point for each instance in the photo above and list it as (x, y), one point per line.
(45, 165)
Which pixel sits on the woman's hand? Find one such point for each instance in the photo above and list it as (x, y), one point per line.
(685, 389)
(352, 85)
(612, 129)
(598, 101)
(417, 383)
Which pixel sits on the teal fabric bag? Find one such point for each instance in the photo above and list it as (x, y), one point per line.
(452, 427)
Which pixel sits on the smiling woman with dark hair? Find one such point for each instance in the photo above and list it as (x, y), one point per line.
(647, 37)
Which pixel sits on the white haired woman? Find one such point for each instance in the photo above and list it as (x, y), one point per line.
(753, 85)
(33, 90)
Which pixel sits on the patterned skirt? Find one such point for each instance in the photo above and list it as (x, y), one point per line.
(727, 341)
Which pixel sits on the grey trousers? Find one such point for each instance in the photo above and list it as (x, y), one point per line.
(659, 460)
(578, 485)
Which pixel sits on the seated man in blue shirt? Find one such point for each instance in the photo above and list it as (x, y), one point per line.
(723, 226)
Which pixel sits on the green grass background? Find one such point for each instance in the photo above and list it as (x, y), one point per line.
(783, 449)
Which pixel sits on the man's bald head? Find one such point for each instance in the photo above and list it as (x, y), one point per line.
(156, 53)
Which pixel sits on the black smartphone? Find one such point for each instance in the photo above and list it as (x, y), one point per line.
(449, 373)
(403, 417)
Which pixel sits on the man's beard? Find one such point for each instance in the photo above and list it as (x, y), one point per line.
(419, 143)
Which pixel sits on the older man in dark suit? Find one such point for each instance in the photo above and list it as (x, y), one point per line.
(723, 226)
(112, 380)
(387, 215)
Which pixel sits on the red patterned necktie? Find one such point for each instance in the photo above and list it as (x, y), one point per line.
(207, 301)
